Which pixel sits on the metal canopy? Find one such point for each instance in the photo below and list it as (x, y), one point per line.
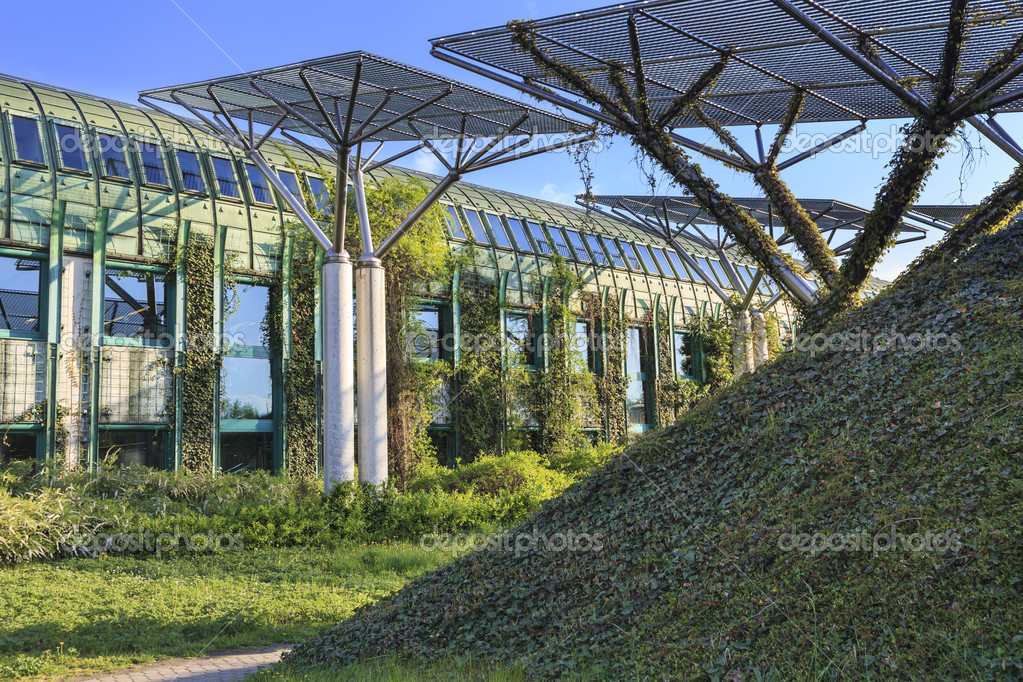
(320, 91)
(771, 53)
(691, 221)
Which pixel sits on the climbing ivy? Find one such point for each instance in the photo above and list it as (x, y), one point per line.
(612, 384)
(712, 350)
(562, 389)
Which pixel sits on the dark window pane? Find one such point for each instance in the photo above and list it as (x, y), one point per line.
(135, 304)
(72, 148)
(142, 448)
(520, 235)
(246, 391)
(454, 224)
(577, 244)
(19, 294)
(246, 452)
(227, 183)
(27, 144)
(560, 243)
(616, 255)
(17, 446)
(598, 252)
(191, 172)
(321, 195)
(111, 149)
(478, 233)
(539, 237)
(291, 182)
(426, 334)
(260, 187)
(519, 330)
(497, 228)
(244, 311)
(153, 168)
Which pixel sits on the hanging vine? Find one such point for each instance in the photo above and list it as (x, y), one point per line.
(712, 351)
(612, 384)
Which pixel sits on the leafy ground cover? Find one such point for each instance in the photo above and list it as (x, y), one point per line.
(848, 511)
(87, 615)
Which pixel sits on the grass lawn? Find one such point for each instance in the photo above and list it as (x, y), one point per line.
(393, 669)
(77, 616)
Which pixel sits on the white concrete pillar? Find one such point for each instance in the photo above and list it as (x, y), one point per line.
(741, 351)
(760, 351)
(73, 388)
(372, 374)
(338, 372)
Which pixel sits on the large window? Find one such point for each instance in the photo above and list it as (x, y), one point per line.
(677, 262)
(111, 150)
(245, 308)
(521, 337)
(71, 147)
(648, 260)
(261, 193)
(560, 243)
(227, 181)
(20, 287)
(454, 224)
(519, 232)
(18, 446)
(28, 145)
(291, 182)
(497, 229)
(427, 333)
(246, 389)
(616, 255)
(246, 452)
(577, 244)
(635, 403)
(134, 304)
(598, 253)
(539, 237)
(191, 171)
(321, 195)
(585, 346)
(142, 448)
(479, 234)
(662, 260)
(630, 255)
(154, 170)
(683, 354)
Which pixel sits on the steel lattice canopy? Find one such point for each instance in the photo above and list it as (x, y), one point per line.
(949, 215)
(404, 87)
(772, 54)
(830, 215)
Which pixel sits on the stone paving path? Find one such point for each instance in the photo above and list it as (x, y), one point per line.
(229, 665)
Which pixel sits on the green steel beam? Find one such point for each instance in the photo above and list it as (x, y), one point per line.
(55, 269)
(97, 307)
(180, 342)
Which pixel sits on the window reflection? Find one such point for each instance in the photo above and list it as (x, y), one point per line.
(246, 389)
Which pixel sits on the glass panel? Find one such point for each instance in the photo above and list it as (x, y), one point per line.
(719, 271)
(633, 352)
(19, 294)
(321, 195)
(246, 452)
(141, 448)
(616, 255)
(683, 354)
(648, 260)
(677, 262)
(134, 304)
(559, 241)
(227, 183)
(425, 337)
(598, 253)
(291, 182)
(634, 403)
(260, 186)
(584, 344)
(111, 149)
(28, 146)
(245, 390)
(454, 224)
(497, 229)
(244, 312)
(662, 260)
(191, 172)
(520, 235)
(630, 254)
(519, 330)
(478, 233)
(72, 148)
(705, 266)
(17, 446)
(577, 244)
(153, 167)
(539, 238)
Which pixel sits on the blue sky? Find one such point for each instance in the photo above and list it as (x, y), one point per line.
(130, 46)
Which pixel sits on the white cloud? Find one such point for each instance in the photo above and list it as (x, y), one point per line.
(425, 162)
(552, 192)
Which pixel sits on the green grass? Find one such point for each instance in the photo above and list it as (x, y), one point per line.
(393, 669)
(89, 615)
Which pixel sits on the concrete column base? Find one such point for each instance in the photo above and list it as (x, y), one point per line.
(338, 372)
(372, 370)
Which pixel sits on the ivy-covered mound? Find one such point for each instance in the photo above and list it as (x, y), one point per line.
(698, 574)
